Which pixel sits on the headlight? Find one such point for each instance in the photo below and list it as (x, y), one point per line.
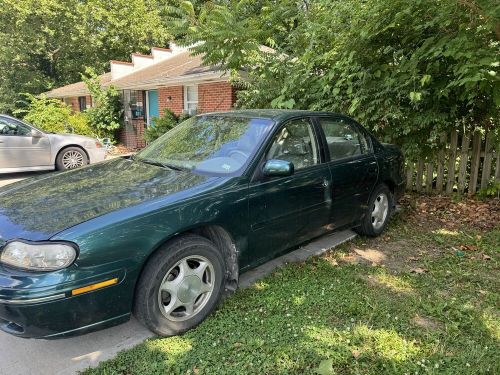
(43, 256)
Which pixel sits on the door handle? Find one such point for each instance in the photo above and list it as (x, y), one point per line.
(325, 183)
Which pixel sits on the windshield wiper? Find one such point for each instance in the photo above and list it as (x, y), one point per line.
(157, 163)
(174, 167)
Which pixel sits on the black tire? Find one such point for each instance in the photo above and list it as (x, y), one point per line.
(147, 307)
(367, 227)
(81, 155)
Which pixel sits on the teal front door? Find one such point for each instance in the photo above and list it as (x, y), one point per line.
(152, 106)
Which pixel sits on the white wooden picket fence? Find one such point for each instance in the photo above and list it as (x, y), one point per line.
(467, 162)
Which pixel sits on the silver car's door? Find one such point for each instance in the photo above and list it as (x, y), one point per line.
(22, 146)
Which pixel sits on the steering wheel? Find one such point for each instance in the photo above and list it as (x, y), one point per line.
(238, 152)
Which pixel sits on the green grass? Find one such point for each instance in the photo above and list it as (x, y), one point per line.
(333, 317)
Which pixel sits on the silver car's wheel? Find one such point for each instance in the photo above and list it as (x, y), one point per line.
(186, 288)
(71, 158)
(380, 210)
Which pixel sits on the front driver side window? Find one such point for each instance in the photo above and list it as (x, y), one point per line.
(344, 139)
(295, 142)
(9, 127)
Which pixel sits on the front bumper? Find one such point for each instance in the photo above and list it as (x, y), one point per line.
(96, 155)
(55, 312)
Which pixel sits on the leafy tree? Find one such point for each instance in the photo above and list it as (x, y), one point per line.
(53, 115)
(106, 113)
(46, 43)
(408, 70)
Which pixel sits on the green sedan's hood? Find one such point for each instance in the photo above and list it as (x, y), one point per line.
(39, 207)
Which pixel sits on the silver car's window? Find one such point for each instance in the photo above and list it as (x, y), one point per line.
(11, 127)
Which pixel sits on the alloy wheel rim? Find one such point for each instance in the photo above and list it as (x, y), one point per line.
(379, 211)
(72, 159)
(186, 288)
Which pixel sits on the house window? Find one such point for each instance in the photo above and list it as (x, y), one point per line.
(133, 101)
(82, 103)
(191, 99)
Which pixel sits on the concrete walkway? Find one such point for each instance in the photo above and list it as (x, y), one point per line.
(67, 356)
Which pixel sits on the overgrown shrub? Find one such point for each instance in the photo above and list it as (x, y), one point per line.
(52, 115)
(408, 70)
(106, 115)
(163, 124)
(79, 124)
(492, 190)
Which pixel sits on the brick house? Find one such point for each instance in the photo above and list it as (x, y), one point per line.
(167, 78)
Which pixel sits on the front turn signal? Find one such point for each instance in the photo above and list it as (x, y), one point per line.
(92, 287)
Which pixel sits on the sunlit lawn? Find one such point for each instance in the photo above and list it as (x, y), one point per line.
(334, 315)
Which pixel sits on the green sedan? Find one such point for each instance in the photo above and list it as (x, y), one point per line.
(166, 233)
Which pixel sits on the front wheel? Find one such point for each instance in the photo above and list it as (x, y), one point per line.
(378, 212)
(180, 286)
(70, 158)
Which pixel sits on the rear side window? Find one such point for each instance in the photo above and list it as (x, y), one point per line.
(344, 138)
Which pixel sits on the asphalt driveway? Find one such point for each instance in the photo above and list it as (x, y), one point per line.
(67, 356)
(9, 178)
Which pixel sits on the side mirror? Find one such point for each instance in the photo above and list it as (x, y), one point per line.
(275, 168)
(36, 134)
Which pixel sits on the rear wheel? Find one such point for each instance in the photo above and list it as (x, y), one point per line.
(180, 286)
(378, 212)
(70, 158)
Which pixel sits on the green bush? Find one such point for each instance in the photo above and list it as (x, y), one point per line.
(79, 124)
(492, 190)
(52, 115)
(163, 124)
(105, 117)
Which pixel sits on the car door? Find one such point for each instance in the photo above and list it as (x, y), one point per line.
(21, 146)
(353, 167)
(285, 211)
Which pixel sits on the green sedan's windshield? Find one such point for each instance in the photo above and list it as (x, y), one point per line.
(213, 144)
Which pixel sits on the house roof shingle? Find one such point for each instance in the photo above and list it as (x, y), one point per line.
(181, 67)
(76, 89)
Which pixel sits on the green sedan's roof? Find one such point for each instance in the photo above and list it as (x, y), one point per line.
(275, 114)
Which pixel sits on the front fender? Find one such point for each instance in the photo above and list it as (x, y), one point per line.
(134, 233)
(59, 142)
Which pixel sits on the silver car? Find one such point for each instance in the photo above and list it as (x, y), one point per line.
(26, 148)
